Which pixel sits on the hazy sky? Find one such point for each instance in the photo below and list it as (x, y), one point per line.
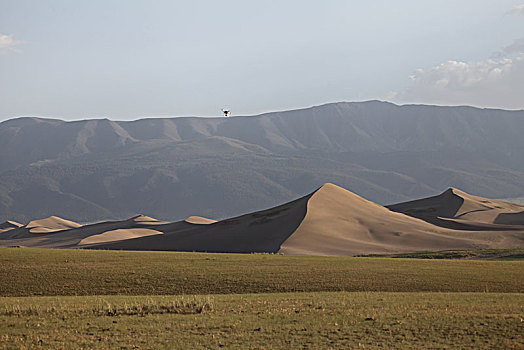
(129, 59)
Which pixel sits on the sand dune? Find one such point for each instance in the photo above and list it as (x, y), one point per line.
(147, 220)
(9, 225)
(329, 221)
(118, 235)
(198, 220)
(108, 231)
(338, 222)
(460, 210)
(50, 224)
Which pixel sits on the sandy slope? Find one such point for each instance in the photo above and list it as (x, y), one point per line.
(330, 221)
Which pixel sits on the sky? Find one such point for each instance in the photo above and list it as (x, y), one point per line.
(131, 59)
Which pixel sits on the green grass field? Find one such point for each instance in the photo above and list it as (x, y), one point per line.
(194, 300)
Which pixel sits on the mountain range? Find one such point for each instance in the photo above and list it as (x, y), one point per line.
(171, 168)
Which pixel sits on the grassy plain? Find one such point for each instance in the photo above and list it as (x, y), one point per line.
(192, 300)
(32, 272)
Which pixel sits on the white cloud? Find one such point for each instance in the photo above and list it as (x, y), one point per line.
(495, 82)
(8, 44)
(517, 10)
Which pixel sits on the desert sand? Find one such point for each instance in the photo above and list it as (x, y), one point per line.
(329, 221)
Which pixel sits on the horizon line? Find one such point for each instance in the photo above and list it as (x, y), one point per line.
(35, 116)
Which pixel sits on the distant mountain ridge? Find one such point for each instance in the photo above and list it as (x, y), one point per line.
(171, 168)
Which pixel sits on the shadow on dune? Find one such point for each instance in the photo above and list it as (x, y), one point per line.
(446, 204)
(510, 218)
(259, 232)
(464, 226)
(432, 209)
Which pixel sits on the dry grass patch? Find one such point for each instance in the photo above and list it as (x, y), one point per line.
(338, 320)
(112, 307)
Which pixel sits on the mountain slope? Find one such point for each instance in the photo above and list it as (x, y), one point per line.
(220, 167)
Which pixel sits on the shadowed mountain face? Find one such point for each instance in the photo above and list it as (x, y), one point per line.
(329, 221)
(219, 167)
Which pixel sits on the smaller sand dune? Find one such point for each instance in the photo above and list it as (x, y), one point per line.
(9, 225)
(147, 220)
(459, 210)
(199, 220)
(119, 235)
(51, 224)
(76, 235)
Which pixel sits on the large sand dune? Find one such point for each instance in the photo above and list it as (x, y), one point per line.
(338, 222)
(329, 221)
